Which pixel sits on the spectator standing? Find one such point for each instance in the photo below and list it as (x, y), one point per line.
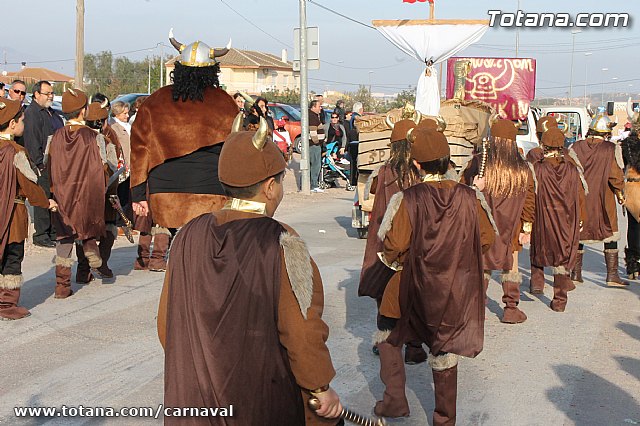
(3, 92)
(134, 108)
(40, 123)
(18, 91)
(340, 111)
(121, 127)
(323, 117)
(239, 100)
(263, 111)
(316, 133)
(336, 133)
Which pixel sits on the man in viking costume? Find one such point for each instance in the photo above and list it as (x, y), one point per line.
(240, 314)
(444, 309)
(396, 174)
(79, 161)
(18, 183)
(603, 164)
(510, 192)
(560, 211)
(177, 138)
(631, 156)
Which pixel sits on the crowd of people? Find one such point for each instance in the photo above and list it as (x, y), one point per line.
(195, 160)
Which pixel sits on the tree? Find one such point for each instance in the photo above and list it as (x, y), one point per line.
(287, 96)
(402, 99)
(363, 94)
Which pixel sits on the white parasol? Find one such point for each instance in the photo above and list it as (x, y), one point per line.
(431, 41)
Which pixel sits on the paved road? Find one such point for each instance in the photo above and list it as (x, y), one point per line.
(99, 347)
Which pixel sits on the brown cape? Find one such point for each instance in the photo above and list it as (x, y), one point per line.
(165, 129)
(556, 231)
(222, 343)
(78, 183)
(374, 275)
(602, 218)
(441, 292)
(7, 191)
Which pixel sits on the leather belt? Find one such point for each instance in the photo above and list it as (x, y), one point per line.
(633, 179)
(19, 199)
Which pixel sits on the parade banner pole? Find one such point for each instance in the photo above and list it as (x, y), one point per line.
(304, 102)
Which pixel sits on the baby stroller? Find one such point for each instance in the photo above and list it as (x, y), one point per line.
(331, 171)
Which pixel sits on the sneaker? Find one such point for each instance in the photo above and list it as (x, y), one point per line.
(317, 190)
(344, 161)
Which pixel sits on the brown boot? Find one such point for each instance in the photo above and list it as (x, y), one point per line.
(414, 353)
(611, 260)
(394, 402)
(10, 286)
(511, 298)
(536, 284)
(562, 284)
(161, 237)
(576, 273)
(63, 277)
(144, 252)
(445, 384)
(83, 271)
(106, 244)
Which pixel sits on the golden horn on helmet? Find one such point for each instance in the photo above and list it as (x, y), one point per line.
(417, 116)
(629, 109)
(216, 53)
(237, 123)
(104, 103)
(518, 124)
(442, 125)
(260, 138)
(590, 111)
(388, 122)
(410, 136)
(175, 43)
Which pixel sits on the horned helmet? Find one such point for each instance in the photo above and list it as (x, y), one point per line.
(198, 54)
(601, 123)
(634, 116)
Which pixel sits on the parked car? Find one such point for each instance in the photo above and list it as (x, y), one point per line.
(292, 117)
(129, 98)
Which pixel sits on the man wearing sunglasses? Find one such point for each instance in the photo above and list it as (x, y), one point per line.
(39, 123)
(18, 91)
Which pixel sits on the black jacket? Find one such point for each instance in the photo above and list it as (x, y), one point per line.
(39, 124)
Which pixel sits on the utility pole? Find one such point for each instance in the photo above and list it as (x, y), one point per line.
(79, 77)
(161, 64)
(304, 101)
(573, 47)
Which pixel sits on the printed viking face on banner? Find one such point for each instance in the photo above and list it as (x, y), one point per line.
(487, 86)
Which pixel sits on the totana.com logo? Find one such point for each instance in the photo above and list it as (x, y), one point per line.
(536, 20)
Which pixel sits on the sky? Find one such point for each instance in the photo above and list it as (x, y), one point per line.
(351, 53)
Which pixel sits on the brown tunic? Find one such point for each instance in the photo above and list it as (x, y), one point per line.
(374, 275)
(14, 222)
(509, 213)
(78, 183)
(556, 231)
(604, 176)
(441, 292)
(298, 341)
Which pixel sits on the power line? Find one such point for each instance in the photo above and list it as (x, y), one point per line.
(340, 14)
(73, 59)
(256, 26)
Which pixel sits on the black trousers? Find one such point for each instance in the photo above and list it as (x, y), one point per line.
(633, 234)
(42, 217)
(12, 259)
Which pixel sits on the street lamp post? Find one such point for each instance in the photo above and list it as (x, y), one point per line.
(573, 46)
(614, 87)
(370, 73)
(586, 80)
(149, 79)
(602, 94)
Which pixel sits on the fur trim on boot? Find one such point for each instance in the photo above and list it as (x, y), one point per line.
(67, 262)
(11, 282)
(10, 296)
(442, 362)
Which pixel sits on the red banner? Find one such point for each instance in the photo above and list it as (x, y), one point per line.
(507, 84)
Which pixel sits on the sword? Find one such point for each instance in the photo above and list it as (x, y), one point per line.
(314, 404)
(115, 176)
(115, 203)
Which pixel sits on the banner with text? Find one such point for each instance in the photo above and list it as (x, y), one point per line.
(507, 84)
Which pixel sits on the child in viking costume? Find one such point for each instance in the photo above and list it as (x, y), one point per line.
(97, 113)
(603, 164)
(80, 161)
(395, 175)
(544, 123)
(18, 183)
(510, 192)
(631, 156)
(177, 138)
(560, 212)
(240, 314)
(444, 309)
